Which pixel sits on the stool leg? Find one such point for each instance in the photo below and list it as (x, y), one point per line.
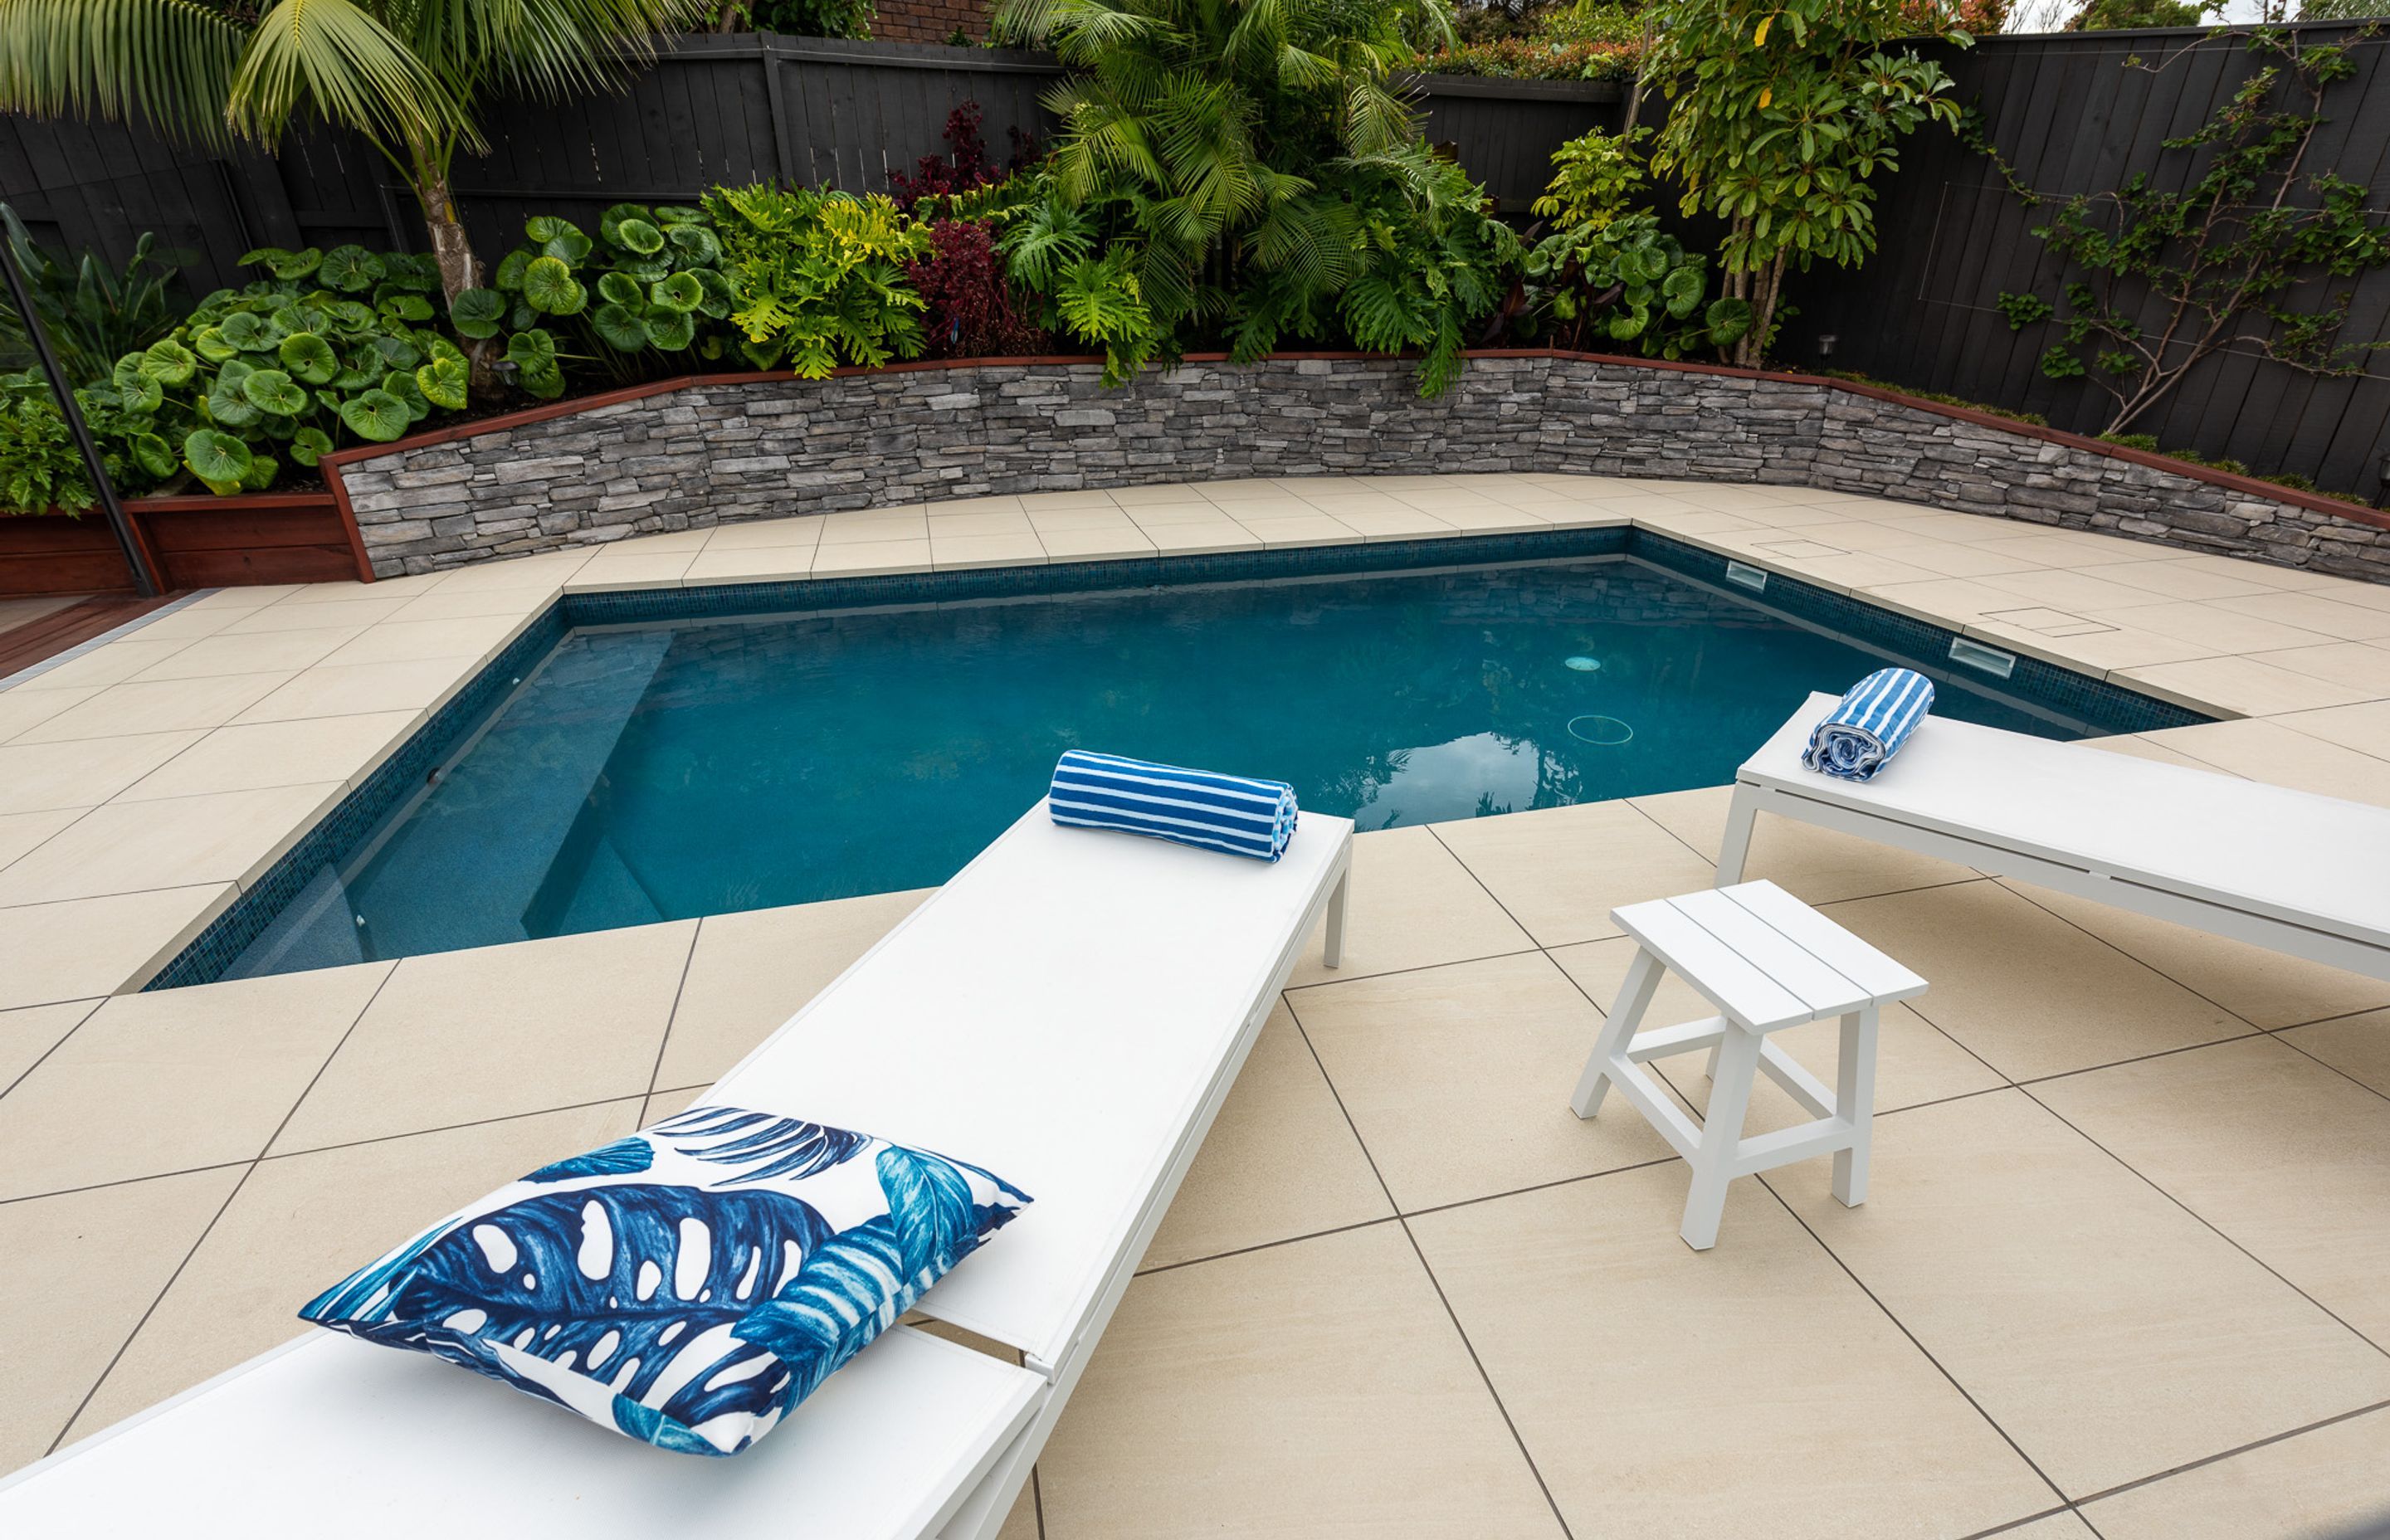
(1721, 1131)
(1617, 1031)
(1855, 1099)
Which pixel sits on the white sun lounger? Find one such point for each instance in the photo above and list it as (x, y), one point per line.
(2301, 873)
(1069, 1012)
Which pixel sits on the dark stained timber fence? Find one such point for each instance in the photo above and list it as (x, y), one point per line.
(2075, 113)
(713, 109)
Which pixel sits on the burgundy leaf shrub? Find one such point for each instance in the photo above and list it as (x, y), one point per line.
(964, 166)
(974, 311)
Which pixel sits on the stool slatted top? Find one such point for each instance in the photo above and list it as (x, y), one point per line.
(1767, 961)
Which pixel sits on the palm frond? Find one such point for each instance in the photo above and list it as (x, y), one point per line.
(334, 60)
(169, 61)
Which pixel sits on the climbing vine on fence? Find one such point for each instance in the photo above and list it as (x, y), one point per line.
(2158, 281)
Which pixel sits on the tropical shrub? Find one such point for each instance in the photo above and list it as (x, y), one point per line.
(636, 299)
(1536, 58)
(974, 309)
(40, 471)
(1607, 274)
(1782, 111)
(331, 347)
(93, 314)
(799, 17)
(818, 278)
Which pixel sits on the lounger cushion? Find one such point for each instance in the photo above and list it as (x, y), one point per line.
(687, 1285)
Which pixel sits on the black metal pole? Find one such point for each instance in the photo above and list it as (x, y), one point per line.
(145, 581)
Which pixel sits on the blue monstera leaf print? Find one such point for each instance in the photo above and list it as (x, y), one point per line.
(757, 1145)
(618, 1284)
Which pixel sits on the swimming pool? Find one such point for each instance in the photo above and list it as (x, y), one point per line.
(669, 768)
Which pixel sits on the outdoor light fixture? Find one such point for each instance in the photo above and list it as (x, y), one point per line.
(1826, 341)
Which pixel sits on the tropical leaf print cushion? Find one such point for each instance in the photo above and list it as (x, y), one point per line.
(687, 1285)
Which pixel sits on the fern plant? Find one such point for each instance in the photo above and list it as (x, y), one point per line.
(819, 276)
(40, 471)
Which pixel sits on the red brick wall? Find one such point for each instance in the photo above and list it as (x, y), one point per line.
(928, 20)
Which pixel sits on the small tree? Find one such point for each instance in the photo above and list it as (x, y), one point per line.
(411, 76)
(2166, 279)
(1781, 111)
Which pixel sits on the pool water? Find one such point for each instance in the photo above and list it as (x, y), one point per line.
(662, 771)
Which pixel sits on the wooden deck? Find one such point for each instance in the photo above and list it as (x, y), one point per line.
(46, 635)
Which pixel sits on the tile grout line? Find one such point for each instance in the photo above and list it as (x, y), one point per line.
(2304, 1429)
(680, 988)
(94, 1003)
(222, 1208)
(1517, 1440)
(1902, 1326)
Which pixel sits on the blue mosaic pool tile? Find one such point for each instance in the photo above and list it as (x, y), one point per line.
(343, 832)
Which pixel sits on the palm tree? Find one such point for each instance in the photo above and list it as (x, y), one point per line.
(411, 76)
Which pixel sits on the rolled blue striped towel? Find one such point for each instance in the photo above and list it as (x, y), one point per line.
(1192, 807)
(1868, 727)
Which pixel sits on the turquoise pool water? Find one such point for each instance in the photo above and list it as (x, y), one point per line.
(660, 772)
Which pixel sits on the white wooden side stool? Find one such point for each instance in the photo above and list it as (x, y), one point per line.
(1767, 961)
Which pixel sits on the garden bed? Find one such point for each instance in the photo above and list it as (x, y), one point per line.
(194, 542)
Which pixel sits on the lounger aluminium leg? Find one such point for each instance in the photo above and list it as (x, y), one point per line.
(1739, 816)
(1721, 1133)
(1855, 1099)
(1617, 1032)
(1332, 954)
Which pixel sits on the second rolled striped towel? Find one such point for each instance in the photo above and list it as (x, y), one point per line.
(1869, 723)
(1234, 814)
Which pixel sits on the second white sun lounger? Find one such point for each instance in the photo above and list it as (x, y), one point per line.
(2299, 873)
(1070, 1011)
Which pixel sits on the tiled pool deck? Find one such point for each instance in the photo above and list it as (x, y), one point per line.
(2128, 1247)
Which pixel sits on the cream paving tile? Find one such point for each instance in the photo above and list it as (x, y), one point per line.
(1559, 871)
(751, 970)
(1393, 523)
(669, 1104)
(750, 564)
(189, 1077)
(1413, 905)
(1965, 559)
(247, 596)
(250, 652)
(2281, 1153)
(1281, 1161)
(357, 688)
(91, 946)
(1237, 489)
(2240, 686)
(186, 624)
(2363, 666)
(2262, 986)
(2267, 748)
(343, 593)
(2068, 549)
(2024, 991)
(1584, 515)
(343, 749)
(960, 552)
(1915, 1063)
(1492, 519)
(441, 603)
(1146, 496)
(764, 533)
(873, 529)
(1858, 570)
(1815, 864)
(2202, 578)
(1944, 599)
(132, 847)
(1873, 536)
(21, 710)
(2055, 1526)
(947, 526)
(1219, 534)
(1457, 1078)
(682, 540)
(410, 641)
(2222, 630)
(2358, 1047)
(2095, 651)
(1694, 521)
(547, 570)
(29, 1032)
(2316, 612)
(2063, 588)
(316, 617)
(543, 1023)
(160, 706)
(82, 1269)
(23, 833)
(629, 570)
(81, 771)
(2111, 1334)
(1096, 545)
(1752, 1389)
(1104, 517)
(2146, 746)
(1036, 503)
(965, 507)
(868, 558)
(2332, 1479)
(110, 663)
(2364, 727)
(1313, 529)
(1357, 1413)
(1147, 515)
(301, 1222)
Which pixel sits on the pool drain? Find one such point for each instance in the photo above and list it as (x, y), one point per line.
(1583, 665)
(1602, 732)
